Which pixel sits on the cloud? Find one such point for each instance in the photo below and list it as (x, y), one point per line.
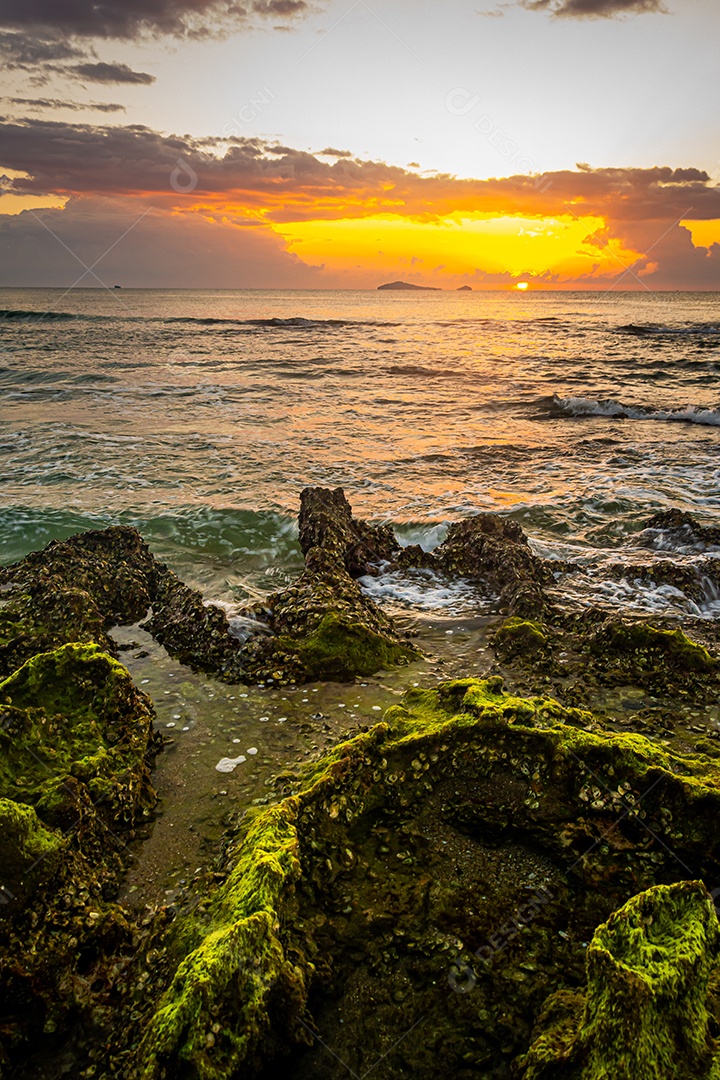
(593, 9)
(25, 51)
(286, 184)
(39, 35)
(133, 19)
(36, 104)
(112, 73)
(250, 183)
(53, 247)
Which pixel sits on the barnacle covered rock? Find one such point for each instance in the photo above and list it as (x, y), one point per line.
(645, 1012)
(73, 590)
(438, 875)
(76, 742)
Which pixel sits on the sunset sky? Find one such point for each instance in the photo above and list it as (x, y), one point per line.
(338, 144)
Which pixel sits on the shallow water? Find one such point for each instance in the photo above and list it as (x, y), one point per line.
(205, 721)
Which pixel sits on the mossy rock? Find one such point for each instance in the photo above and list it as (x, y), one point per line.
(74, 715)
(341, 649)
(29, 850)
(519, 637)
(76, 741)
(635, 641)
(645, 1013)
(471, 841)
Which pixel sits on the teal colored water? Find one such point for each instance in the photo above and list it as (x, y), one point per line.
(200, 416)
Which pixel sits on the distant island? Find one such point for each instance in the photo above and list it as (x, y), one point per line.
(407, 285)
(464, 288)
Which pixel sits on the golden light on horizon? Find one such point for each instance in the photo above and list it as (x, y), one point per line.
(522, 285)
(461, 244)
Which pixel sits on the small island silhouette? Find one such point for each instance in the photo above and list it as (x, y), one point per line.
(407, 285)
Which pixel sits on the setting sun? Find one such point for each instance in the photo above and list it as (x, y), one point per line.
(522, 285)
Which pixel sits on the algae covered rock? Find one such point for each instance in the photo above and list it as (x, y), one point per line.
(645, 1012)
(76, 744)
(519, 636)
(639, 643)
(73, 723)
(73, 590)
(439, 875)
(323, 625)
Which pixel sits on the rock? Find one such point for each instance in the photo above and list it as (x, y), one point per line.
(76, 743)
(195, 633)
(326, 522)
(74, 590)
(632, 643)
(471, 842)
(645, 1013)
(323, 624)
(492, 550)
(519, 636)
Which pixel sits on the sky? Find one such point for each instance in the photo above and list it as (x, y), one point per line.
(548, 144)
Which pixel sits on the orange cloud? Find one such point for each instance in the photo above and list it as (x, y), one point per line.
(362, 221)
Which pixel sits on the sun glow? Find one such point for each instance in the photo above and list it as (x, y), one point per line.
(482, 248)
(522, 285)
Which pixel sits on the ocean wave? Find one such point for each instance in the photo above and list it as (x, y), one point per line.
(294, 322)
(660, 330)
(19, 315)
(615, 410)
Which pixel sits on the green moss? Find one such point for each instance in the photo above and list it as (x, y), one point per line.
(645, 1014)
(671, 646)
(75, 713)
(243, 977)
(26, 842)
(240, 960)
(75, 739)
(342, 649)
(519, 636)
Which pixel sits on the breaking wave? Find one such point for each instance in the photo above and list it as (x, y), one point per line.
(616, 410)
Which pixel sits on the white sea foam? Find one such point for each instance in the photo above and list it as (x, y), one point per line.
(582, 406)
(680, 541)
(228, 765)
(425, 590)
(641, 596)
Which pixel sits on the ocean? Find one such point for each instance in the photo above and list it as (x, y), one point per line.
(199, 416)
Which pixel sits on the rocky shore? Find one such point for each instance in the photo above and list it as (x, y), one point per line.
(513, 874)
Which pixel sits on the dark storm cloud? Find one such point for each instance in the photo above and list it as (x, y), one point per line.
(40, 36)
(135, 18)
(35, 104)
(111, 73)
(595, 8)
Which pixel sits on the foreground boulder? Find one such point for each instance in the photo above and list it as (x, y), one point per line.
(422, 892)
(76, 743)
(645, 1012)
